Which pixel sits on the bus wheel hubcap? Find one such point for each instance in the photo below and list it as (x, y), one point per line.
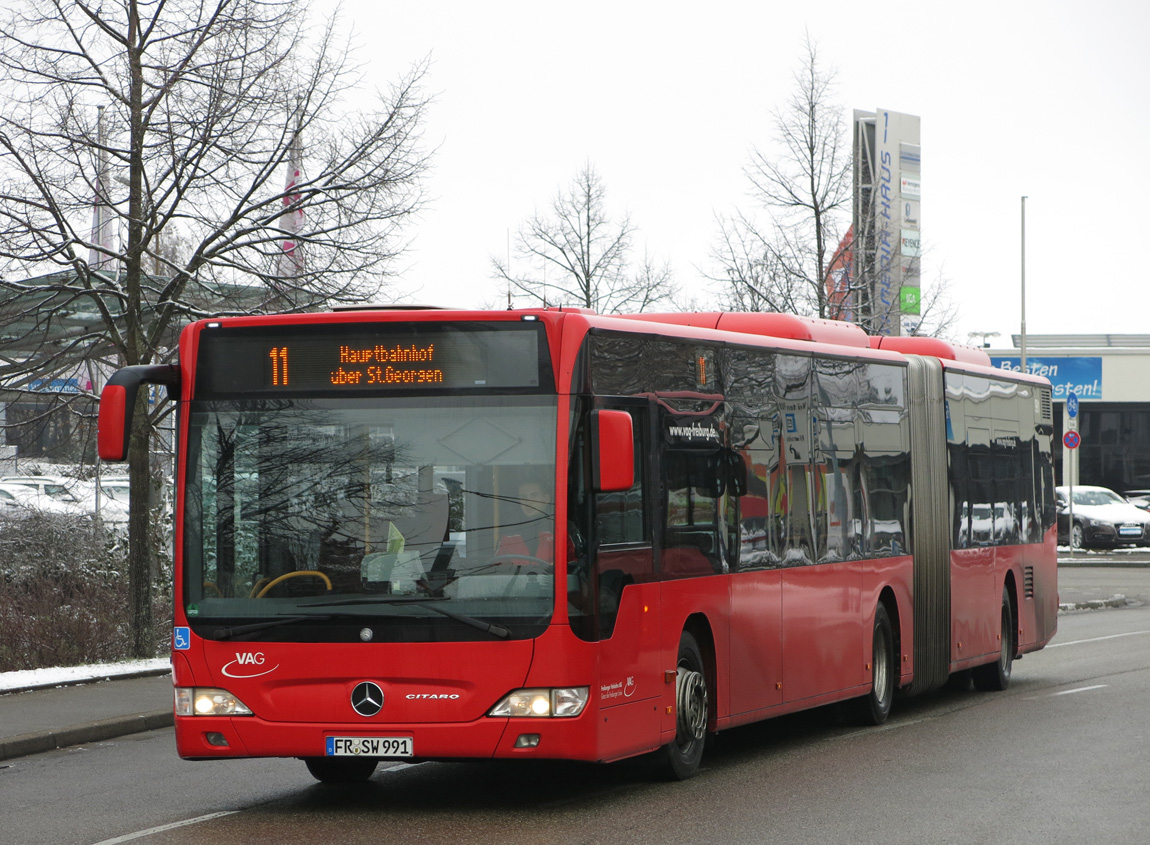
(691, 695)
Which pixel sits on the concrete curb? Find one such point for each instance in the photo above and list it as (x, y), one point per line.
(36, 743)
(1095, 604)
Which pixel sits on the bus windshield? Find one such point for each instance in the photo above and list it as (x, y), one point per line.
(418, 516)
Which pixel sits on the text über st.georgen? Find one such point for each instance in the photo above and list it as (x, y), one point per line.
(380, 365)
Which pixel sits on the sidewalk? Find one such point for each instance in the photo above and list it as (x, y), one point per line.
(37, 720)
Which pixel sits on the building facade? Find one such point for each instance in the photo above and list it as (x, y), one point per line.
(1110, 375)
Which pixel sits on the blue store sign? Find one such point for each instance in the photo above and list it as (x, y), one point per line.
(1067, 375)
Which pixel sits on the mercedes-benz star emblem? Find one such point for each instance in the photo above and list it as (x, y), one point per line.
(367, 698)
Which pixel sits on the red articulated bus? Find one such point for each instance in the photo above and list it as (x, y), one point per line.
(431, 534)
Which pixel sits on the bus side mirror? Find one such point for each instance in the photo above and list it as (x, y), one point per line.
(118, 401)
(612, 451)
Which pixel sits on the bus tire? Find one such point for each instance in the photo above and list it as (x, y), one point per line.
(341, 769)
(682, 755)
(995, 677)
(874, 707)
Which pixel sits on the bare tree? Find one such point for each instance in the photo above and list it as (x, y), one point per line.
(143, 149)
(753, 277)
(806, 190)
(800, 259)
(580, 256)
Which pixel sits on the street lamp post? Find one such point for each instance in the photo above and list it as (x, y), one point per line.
(1023, 340)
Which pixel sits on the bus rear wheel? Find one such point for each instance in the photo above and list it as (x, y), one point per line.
(874, 707)
(340, 769)
(994, 677)
(683, 754)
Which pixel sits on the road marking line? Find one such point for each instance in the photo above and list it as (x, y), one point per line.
(1080, 689)
(1100, 639)
(128, 837)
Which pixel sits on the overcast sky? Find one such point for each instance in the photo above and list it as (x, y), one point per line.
(665, 100)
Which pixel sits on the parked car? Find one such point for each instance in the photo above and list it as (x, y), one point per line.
(45, 485)
(1138, 498)
(115, 488)
(112, 502)
(16, 498)
(1102, 518)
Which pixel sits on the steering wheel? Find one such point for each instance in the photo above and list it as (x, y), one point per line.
(314, 573)
(523, 560)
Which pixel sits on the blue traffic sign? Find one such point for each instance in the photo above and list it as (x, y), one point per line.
(1072, 404)
(1071, 439)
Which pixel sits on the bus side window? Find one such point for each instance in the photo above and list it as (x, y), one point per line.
(620, 517)
(691, 542)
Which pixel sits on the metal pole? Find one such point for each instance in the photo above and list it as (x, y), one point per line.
(1023, 343)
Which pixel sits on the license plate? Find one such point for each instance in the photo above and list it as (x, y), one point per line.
(1130, 529)
(369, 746)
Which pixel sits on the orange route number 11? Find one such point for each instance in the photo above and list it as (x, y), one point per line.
(279, 356)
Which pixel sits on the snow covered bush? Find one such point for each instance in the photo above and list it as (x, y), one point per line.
(63, 593)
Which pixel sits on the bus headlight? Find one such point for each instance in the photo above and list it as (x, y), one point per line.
(207, 701)
(560, 702)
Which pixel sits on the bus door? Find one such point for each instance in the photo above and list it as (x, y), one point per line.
(700, 479)
(756, 589)
(823, 631)
(613, 596)
(975, 597)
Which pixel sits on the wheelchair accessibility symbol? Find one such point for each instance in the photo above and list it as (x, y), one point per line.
(181, 639)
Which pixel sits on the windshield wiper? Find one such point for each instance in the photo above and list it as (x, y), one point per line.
(497, 630)
(228, 633)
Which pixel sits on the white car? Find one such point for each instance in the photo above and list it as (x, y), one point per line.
(1101, 518)
(57, 494)
(16, 499)
(115, 488)
(45, 485)
(112, 502)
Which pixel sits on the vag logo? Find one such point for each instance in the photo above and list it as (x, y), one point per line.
(254, 659)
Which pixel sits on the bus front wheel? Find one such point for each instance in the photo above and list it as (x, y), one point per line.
(683, 754)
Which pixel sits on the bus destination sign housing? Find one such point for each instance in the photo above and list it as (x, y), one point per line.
(371, 358)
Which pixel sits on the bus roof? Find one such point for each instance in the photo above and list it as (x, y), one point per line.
(933, 347)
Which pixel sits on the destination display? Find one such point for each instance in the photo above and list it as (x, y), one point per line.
(370, 358)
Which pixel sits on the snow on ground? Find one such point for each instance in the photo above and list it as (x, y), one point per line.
(25, 678)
